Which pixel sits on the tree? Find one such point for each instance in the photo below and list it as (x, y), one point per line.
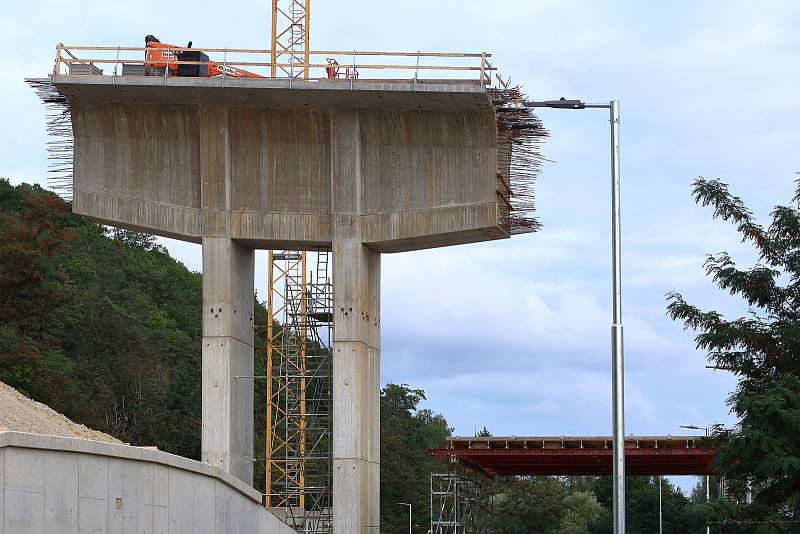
(641, 507)
(105, 330)
(763, 350)
(543, 505)
(580, 510)
(406, 435)
(134, 238)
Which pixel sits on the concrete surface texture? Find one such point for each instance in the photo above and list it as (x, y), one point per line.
(227, 432)
(56, 485)
(22, 414)
(426, 174)
(236, 165)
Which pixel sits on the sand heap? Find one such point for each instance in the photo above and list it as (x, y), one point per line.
(21, 414)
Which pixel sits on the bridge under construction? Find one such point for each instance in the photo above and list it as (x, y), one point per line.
(343, 166)
(327, 159)
(527, 456)
(460, 498)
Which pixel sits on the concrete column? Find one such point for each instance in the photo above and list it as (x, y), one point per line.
(227, 437)
(356, 342)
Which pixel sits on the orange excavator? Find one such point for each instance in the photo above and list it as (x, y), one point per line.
(160, 60)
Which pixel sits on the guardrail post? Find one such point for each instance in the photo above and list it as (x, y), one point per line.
(116, 64)
(353, 72)
(224, 65)
(416, 72)
(57, 66)
(166, 66)
(483, 70)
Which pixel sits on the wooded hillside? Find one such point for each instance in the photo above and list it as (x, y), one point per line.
(104, 327)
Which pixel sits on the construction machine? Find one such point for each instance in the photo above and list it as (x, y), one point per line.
(161, 59)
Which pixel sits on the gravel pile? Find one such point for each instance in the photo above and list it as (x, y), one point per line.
(20, 414)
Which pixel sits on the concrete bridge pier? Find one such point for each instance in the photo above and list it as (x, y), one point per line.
(227, 435)
(356, 382)
(356, 340)
(364, 167)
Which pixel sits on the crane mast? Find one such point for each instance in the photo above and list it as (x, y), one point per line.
(298, 459)
(290, 38)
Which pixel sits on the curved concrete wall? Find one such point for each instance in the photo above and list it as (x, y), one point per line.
(55, 485)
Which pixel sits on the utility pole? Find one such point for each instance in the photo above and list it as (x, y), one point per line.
(660, 522)
(617, 353)
(708, 478)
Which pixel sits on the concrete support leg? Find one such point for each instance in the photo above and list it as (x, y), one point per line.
(356, 382)
(356, 341)
(227, 437)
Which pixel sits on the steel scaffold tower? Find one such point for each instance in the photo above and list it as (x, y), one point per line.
(299, 325)
(299, 380)
(290, 38)
(460, 504)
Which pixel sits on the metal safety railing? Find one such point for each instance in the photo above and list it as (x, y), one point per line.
(262, 63)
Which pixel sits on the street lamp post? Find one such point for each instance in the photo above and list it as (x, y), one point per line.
(409, 514)
(708, 479)
(660, 523)
(617, 356)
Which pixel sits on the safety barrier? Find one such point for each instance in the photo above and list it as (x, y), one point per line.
(297, 64)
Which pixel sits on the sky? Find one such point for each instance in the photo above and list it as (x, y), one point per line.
(514, 334)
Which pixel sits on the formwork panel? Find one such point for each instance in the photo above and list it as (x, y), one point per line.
(279, 161)
(202, 495)
(60, 494)
(128, 151)
(93, 493)
(24, 492)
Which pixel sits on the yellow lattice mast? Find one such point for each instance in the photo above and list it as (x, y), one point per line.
(290, 38)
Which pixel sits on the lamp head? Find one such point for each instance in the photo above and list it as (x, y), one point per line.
(561, 103)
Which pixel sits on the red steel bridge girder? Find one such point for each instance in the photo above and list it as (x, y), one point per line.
(665, 456)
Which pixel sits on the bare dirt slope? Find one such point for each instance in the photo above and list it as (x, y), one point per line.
(21, 414)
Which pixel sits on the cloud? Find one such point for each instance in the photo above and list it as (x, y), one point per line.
(514, 334)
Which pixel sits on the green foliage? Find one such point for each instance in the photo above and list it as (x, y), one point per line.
(541, 505)
(641, 507)
(102, 326)
(579, 511)
(572, 505)
(406, 435)
(483, 433)
(763, 350)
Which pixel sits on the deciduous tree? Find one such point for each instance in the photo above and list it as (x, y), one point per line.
(762, 349)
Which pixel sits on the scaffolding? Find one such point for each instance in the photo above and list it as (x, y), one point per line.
(460, 504)
(299, 381)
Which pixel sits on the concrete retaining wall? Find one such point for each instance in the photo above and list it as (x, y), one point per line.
(55, 485)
